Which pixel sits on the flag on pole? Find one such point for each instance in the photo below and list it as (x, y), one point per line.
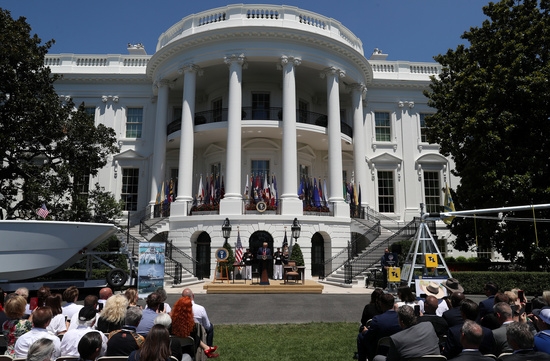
(246, 188)
(449, 205)
(42, 211)
(239, 248)
(285, 241)
(325, 195)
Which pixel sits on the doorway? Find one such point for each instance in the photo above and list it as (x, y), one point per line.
(255, 242)
(203, 256)
(318, 255)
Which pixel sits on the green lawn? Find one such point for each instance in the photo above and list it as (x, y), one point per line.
(288, 342)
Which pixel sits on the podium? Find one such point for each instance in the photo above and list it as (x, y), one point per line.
(264, 262)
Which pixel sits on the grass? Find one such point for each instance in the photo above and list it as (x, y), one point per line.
(289, 342)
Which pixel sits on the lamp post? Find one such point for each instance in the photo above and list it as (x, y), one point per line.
(226, 229)
(295, 229)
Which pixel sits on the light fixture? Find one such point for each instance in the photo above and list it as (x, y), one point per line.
(226, 229)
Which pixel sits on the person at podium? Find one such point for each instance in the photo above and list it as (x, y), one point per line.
(263, 253)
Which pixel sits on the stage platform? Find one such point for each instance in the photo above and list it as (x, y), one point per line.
(275, 286)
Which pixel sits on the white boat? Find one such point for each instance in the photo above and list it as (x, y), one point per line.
(30, 249)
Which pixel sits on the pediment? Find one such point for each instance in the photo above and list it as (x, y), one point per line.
(431, 159)
(261, 143)
(213, 149)
(306, 151)
(385, 158)
(128, 154)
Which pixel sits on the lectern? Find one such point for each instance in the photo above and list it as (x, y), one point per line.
(264, 261)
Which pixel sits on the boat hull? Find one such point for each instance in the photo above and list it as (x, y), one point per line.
(30, 249)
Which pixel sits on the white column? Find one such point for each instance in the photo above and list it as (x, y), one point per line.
(232, 202)
(290, 203)
(159, 155)
(184, 199)
(360, 165)
(333, 75)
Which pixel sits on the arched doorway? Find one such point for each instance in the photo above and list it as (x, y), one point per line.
(255, 242)
(318, 255)
(203, 255)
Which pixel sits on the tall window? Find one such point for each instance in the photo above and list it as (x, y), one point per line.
(260, 167)
(423, 128)
(386, 197)
(90, 111)
(82, 185)
(303, 108)
(432, 190)
(134, 122)
(129, 194)
(304, 171)
(260, 106)
(217, 110)
(382, 127)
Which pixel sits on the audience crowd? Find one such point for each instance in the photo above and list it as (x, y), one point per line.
(53, 325)
(444, 323)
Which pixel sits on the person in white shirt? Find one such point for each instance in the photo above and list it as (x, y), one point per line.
(104, 294)
(70, 296)
(86, 321)
(41, 318)
(200, 315)
(89, 301)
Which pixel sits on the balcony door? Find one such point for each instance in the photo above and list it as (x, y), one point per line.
(260, 106)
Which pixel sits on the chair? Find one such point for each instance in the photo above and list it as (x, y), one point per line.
(187, 345)
(291, 271)
(429, 358)
(66, 358)
(490, 355)
(383, 346)
(112, 358)
(6, 358)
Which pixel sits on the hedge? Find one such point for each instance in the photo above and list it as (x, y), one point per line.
(533, 283)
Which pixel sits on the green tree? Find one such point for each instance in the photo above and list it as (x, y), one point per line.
(297, 255)
(49, 148)
(493, 107)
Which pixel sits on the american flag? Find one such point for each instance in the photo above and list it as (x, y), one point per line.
(42, 211)
(239, 248)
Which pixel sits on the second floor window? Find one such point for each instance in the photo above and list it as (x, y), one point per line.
(134, 122)
(217, 110)
(423, 128)
(260, 106)
(432, 190)
(382, 127)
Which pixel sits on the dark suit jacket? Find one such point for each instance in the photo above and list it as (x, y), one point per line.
(526, 355)
(439, 324)
(453, 347)
(501, 342)
(385, 324)
(453, 317)
(261, 251)
(404, 344)
(472, 356)
(486, 306)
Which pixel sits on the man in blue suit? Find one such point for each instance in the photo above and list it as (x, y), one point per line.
(486, 306)
(385, 324)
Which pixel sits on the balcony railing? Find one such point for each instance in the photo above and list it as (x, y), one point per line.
(249, 113)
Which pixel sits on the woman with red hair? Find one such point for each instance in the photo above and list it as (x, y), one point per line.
(183, 325)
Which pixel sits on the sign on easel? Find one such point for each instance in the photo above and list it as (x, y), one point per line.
(150, 267)
(394, 274)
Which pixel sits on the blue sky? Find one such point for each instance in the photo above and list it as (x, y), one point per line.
(414, 30)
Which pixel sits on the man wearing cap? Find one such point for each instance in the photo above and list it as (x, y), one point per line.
(86, 321)
(541, 318)
(434, 289)
(89, 301)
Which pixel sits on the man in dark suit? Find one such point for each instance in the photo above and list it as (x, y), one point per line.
(430, 307)
(453, 316)
(521, 340)
(452, 348)
(385, 324)
(265, 253)
(471, 335)
(486, 306)
(404, 344)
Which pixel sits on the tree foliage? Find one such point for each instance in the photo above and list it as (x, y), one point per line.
(493, 118)
(47, 145)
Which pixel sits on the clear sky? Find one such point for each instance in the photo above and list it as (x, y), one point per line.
(414, 30)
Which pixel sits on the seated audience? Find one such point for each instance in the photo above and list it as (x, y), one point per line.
(58, 325)
(86, 321)
(471, 335)
(406, 296)
(70, 296)
(183, 325)
(41, 350)
(404, 344)
(89, 346)
(89, 301)
(453, 315)
(122, 342)
(104, 294)
(371, 309)
(24, 292)
(469, 311)
(503, 313)
(541, 319)
(112, 316)
(430, 307)
(382, 325)
(132, 295)
(521, 340)
(175, 344)
(41, 318)
(149, 314)
(41, 295)
(16, 325)
(162, 293)
(156, 346)
(490, 319)
(200, 315)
